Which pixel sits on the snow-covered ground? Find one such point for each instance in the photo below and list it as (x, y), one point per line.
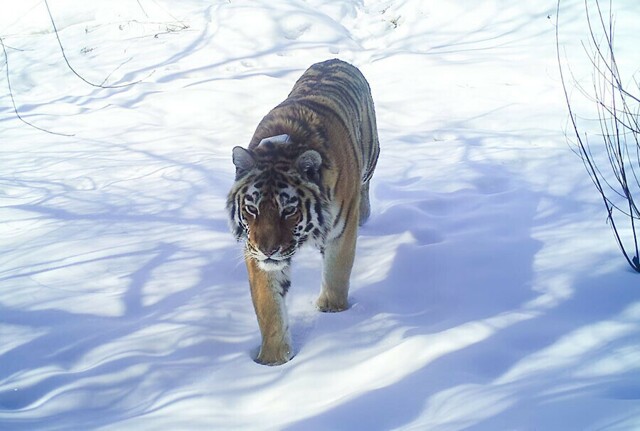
(488, 291)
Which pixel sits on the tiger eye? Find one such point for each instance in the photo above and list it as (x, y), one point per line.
(250, 210)
(289, 211)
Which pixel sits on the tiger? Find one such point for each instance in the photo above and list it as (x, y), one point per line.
(304, 179)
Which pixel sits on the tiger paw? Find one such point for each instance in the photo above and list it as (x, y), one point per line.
(274, 355)
(331, 305)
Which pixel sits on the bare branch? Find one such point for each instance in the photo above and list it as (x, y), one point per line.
(619, 184)
(13, 101)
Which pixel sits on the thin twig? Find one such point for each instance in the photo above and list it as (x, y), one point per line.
(13, 101)
(64, 55)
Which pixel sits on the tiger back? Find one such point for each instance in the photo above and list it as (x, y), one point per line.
(304, 178)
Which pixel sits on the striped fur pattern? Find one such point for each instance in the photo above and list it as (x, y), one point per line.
(304, 178)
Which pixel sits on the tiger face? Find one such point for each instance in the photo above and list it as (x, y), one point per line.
(275, 206)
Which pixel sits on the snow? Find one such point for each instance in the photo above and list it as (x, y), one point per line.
(488, 292)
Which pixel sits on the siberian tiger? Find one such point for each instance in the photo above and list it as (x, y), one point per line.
(304, 179)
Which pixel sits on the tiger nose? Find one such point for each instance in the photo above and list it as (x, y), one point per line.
(269, 250)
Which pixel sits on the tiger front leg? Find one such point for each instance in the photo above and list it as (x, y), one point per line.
(268, 291)
(337, 264)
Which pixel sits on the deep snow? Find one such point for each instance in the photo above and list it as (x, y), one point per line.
(487, 294)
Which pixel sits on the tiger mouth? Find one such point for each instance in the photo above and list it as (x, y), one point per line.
(273, 262)
(277, 260)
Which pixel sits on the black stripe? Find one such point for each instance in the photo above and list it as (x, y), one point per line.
(355, 90)
(232, 210)
(307, 207)
(346, 221)
(317, 107)
(337, 220)
(318, 208)
(343, 95)
(284, 286)
(238, 205)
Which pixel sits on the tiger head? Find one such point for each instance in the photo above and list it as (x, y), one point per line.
(276, 204)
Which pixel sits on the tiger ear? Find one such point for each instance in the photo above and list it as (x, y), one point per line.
(243, 160)
(308, 165)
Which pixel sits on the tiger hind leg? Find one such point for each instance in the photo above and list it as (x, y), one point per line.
(365, 205)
